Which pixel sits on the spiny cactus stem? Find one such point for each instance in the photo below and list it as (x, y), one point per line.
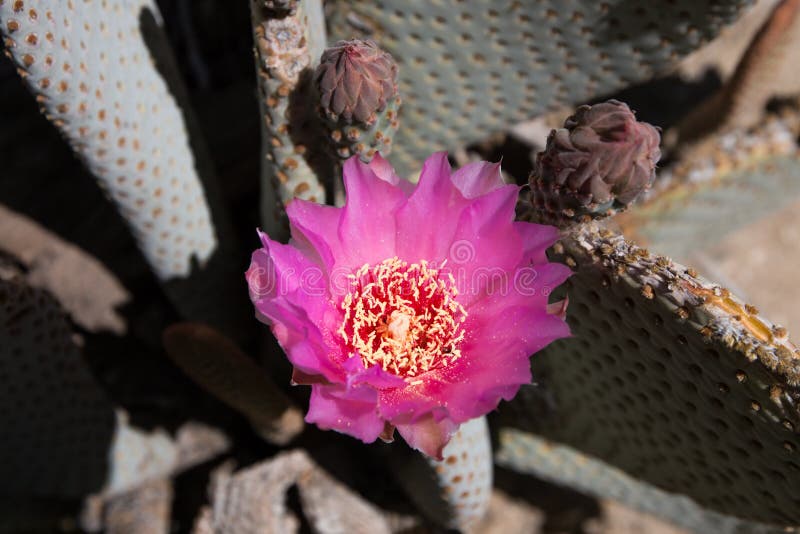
(286, 47)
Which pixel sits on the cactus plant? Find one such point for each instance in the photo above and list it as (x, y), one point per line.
(669, 383)
(288, 44)
(526, 452)
(216, 363)
(452, 492)
(91, 72)
(96, 80)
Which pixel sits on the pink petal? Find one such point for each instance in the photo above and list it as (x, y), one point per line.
(306, 347)
(485, 248)
(478, 178)
(427, 222)
(367, 228)
(536, 239)
(350, 411)
(494, 363)
(279, 271)
(315, 228)
(297, 307)
(428, 435)
(384, 170)
(496, 360)
(375, 376)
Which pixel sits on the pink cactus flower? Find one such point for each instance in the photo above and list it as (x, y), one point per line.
(413, 308)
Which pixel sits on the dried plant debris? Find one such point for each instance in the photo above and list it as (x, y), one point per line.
(138, 456)
(254, 500)
(765, 71)
(83, 286)
(144, 510)
(674, 380)
(94, 78)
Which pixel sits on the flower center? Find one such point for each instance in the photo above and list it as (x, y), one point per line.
(403, 317)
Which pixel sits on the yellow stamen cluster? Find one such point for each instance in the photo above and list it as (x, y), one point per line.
(403, 317)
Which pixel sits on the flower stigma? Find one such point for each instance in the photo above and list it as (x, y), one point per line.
(403, 317)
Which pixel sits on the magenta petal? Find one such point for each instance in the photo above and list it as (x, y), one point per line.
(428, 435)
(485, 248)
(367, 228)
(315, 228)
(375, 376)
(493, 368)
(295, 306)
(385, 172)
(536, 239)
(536, 283)
(413, 399)
(495, 362)
(284, 272)
(427, 222)
(306, 347)
(349, 411)
(478, 178)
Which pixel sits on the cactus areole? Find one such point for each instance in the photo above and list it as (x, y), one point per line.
(413, 308)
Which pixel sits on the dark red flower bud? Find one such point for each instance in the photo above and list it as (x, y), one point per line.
(356, 80)
(594, 166)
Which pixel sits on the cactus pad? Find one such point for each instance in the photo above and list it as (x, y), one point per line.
(731, 180)
(57, 422)
(477, 66)
(91, 72)
(531, 454)
(219, 366)
(455, 492)
(675, 381)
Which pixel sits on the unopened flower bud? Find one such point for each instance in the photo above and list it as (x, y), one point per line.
(595, 166)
